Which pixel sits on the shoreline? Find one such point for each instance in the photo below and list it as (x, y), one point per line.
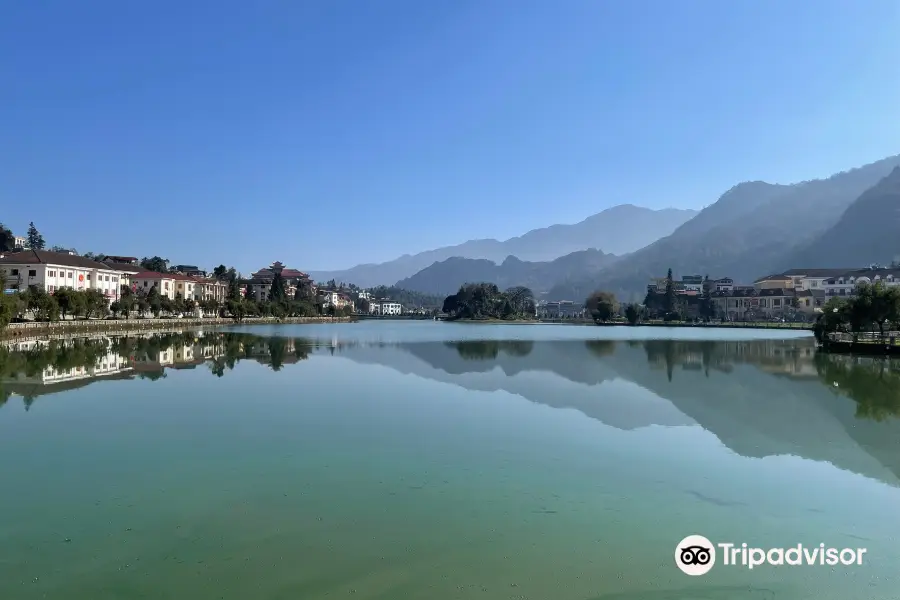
(582, 322)
(28, 331)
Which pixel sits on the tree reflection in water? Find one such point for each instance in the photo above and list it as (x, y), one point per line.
(490, 349)
(873, 383)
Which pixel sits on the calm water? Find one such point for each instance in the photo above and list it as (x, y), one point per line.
(441, 461)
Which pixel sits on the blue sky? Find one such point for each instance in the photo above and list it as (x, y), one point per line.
(330, 133)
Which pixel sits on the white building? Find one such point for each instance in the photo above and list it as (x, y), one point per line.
(845, 285)
(52, 271)
(142, 282)
(386, 308)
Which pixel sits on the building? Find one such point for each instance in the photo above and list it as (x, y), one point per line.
(800, 279)
(125, 270)
(52, 271)
(144, 281)
(260, 283)
(122, 260)
(385, 308)
(692, 283)
(190, 270)
(209, 288)
(20, 242)
(336, 299)
(844, 284)
(564, 309)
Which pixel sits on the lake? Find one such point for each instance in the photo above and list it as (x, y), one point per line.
(438, 461)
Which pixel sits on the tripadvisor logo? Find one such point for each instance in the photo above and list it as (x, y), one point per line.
(696, 555)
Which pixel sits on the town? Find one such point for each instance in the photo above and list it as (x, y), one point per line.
(59, 283)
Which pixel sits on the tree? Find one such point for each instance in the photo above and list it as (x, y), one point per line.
(362, 305)
(220, 272)
(522, 300)
(127, 300)
(277, 291)
(155, 264)
(234, 285)
(632, 314)
(35, 239)
(451, 304)
(154, 300)
(8, 309)
(670, 300)
(42, 305)
(7, 239)
(601, 306)
(94, 303)
(169, 306)
(68, 301)
(882, 303)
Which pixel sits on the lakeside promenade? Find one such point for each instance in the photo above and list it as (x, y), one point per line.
(56, 329)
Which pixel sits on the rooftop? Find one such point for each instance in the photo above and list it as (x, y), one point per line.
(51, 258)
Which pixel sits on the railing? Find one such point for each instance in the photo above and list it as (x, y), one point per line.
(35, 329)
(890, 338)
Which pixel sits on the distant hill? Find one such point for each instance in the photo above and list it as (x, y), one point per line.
(868, 231)
(617, 230)
(747, 233)
(445, 277)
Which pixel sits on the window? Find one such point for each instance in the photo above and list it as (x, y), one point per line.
(14, 272)
(167, 285)
(807, 301)
(106, 278)
(51, 288)
(89, 277)
(51, 273)
(145, 284)
(70, 275)
(32, 272)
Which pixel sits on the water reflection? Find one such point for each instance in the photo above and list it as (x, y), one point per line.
(759, 398)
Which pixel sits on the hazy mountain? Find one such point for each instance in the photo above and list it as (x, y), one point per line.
(445, 277)
(868, 231)
(746, 234)
(617, 230)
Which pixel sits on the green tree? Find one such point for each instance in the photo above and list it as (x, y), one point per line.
(8, 309)
(42, 305)
(277, 291)
(127, 300)
(35, 239)
(882, 303)
(220, 272)
(95, 304)
(169, 306)
(68, 300)
(7, 239)
(154, 300)
(670, 300)
(602, 306)
(155, 264)
(521, 299)
(632, 314)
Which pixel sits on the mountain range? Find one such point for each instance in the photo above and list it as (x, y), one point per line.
(867, 232)
(617, 230)
(758, 228)
(445, 277)
(754, 229)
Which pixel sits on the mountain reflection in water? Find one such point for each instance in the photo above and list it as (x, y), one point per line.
(760, 398)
